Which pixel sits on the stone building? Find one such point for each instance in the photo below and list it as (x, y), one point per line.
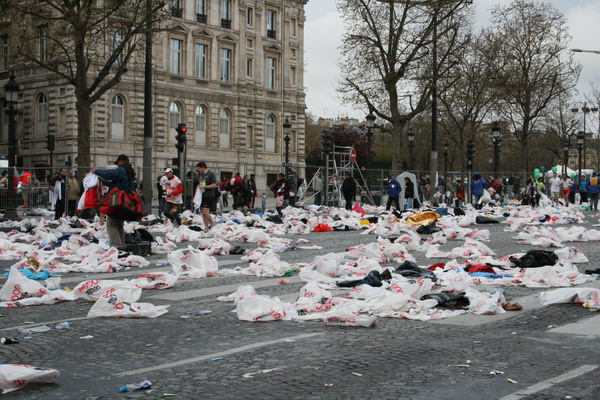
(231, 70)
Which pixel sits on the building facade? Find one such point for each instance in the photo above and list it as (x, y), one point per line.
(231, 70)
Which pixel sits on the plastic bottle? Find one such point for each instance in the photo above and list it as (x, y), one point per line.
(64, 325)
(591, 305)
(6, 340)
(130, 387)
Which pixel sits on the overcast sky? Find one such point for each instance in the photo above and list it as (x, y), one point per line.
(323, 31)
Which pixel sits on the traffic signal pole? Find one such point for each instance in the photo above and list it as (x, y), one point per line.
(181, 155)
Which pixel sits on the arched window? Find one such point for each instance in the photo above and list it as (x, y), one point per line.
(118, 118)
(41, 122)
(174, 119)
(224, 128)
(200, 126)
(270, 134)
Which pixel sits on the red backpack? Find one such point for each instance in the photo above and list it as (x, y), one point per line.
(122, 205)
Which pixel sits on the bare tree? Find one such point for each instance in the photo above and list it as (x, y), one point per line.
(470, 100)
(387, 56)
(89, 43)
(534, 67)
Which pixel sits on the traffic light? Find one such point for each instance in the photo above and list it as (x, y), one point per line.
(470, 149)
(181, 137)
(50, 142)
(327, 142)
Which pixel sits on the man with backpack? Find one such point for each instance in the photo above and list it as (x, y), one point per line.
(123, 177)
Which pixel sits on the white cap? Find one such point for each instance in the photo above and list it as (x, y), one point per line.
(168, 170)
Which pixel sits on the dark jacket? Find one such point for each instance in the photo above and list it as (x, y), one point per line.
(409, 190)
(393, 188)
(349, 186)
(122, 177)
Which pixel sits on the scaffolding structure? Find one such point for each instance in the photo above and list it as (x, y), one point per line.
(342, 160)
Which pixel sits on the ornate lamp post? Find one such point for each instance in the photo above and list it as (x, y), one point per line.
(566, 147)
(411, 145)
(585, 110)
(11, 90)
(370, 118)
(287, 126)
(496, 140)
(580, 147)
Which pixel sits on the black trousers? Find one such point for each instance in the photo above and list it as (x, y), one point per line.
(392, 200)
(349, 200)
(169, 213)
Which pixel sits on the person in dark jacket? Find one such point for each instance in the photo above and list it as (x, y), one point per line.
(409, 193)
(478, 184)
(349, 190)
(393, 191)
(593, 190)
(122, 177)
(61, 198)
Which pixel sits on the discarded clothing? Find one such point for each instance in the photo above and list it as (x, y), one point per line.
(485, 220)
(535, 259)
(409, 269)
(453, 301)
(373, 278)
(427, 229)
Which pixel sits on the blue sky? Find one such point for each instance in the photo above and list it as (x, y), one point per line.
(323, 31)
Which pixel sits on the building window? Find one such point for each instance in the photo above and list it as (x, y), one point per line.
(226, 14)
(118, 118)
(201, 11)
(224, 128)
(175, 60)
(200, 126)
(249, 68)
(225, 63)
(270, 134)
(201, 52)
(249, 43)
(249, 16)
(117, 39)
(271, 23)
(293, 53)
(293, 29)
(43, 42)
(4, 53)
(42, 115)
(270, 73)
(249, 136)
(293, 76)
(176, 10)
(62, 122)
(174, 119)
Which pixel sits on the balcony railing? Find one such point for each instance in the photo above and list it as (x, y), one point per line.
(226, 23)
(271, 34)
(176, 12)
(201, 18)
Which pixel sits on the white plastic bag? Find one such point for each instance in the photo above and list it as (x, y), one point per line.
(570, 295)
(192, 264)
(242, 292)
(155, 280)
(14, 377)
(109, 305)
(18, 287)
(261, 308)
(92, 290)
(313, 298)
(346, 315)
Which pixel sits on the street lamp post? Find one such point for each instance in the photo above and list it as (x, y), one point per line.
(411, 145)
(370, 123)
(585, 110)
(11, 90)
(580, 147)
(565, 155)
(496, 140)
(287, 126)
(446, 146)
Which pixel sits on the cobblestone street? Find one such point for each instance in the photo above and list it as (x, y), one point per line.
(215, 355)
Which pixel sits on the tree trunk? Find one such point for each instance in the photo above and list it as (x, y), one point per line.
(84, 116)
(397, 146)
